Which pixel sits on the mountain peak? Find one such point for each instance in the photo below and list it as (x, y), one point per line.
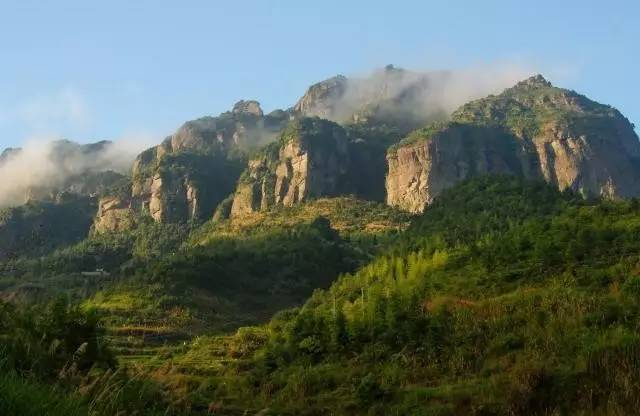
(536, 81)
(248, 107)
(392, 68)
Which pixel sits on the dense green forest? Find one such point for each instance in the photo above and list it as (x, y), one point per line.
(504, 297)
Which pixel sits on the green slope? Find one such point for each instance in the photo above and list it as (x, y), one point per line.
(504, 298)
(38, 227)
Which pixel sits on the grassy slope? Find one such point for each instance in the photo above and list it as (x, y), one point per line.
(191, 293)
(504, 298)
(347, 215)
(22, 397)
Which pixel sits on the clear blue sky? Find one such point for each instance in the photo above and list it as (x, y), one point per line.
(90, 70)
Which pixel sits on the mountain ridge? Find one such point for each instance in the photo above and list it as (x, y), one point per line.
(532, 129)
(484, 263)
(553, 134)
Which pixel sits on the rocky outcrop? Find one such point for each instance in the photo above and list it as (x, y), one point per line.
(391, 96)
(534, 130)
(9, 153)
(114, 215)
(324, 99)
(311, 160)
(248, 107)
(419, 171)
(593, 165)
(192, 171)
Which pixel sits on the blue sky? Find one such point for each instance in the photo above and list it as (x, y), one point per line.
(105, 70)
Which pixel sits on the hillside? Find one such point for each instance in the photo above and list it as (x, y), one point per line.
(364, 252)
(504, 298)
(38, 227)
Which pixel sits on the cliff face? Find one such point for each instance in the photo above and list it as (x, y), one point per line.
(115, 214)
(532, 129)
(310, 160)
(191, 172)
(323, 99)
(420, 171)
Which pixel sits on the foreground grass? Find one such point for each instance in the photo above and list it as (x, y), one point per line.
(20, 396)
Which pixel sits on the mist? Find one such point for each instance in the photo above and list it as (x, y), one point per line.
(43, 167)
(419, 95)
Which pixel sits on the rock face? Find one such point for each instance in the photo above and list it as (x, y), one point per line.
(186, 176)
(420, 171)
(184, 187)
(8, 153)
(323, 99)
(534, 130)
(390, 96)
(310, 160)
(174, 196)
(114, 215)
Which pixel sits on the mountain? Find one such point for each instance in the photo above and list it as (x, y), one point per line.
(192, 171)
(371, 250)
(49, 198)
(532, 130)
(310, 160)
(244, 161)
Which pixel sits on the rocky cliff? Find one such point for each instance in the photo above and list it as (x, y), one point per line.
(532, 129)
(192, 171)
(115, 214)
(310, 160)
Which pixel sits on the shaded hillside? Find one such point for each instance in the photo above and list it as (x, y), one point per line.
(38, 227)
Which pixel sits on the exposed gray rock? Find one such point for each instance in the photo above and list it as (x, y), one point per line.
(310, 161)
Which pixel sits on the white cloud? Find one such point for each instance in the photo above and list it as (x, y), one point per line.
(423, 95)
(43, 165)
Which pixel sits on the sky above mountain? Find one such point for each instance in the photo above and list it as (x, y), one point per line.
(137, 70)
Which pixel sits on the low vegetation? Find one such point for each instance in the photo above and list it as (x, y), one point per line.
(504, 297)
